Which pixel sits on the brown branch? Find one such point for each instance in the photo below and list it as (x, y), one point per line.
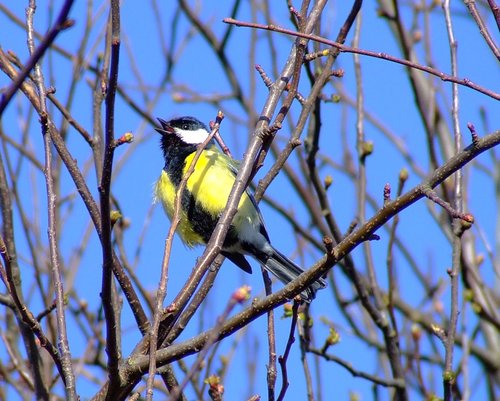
(495, 9)
(85, 194)
(110, 306)
(28, 324)
(284, 358)
(239, 296)
(454, 213)
(69, 118)
(134, 366)
(218, 47)
(60, 24)
(68, 374)
(483, 29)
(398, 383)
(271, 343)
(384, 56)
(448, 373)
(393, 288)
(198, 298)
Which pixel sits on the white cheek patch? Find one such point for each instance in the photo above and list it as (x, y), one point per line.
(192, 137)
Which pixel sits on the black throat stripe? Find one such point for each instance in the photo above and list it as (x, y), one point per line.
(202, 222)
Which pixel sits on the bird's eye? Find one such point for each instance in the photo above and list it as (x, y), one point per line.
(185, 127)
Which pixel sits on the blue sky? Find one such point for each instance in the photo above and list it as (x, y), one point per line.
(388, 97)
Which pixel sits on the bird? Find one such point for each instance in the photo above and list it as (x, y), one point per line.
(205, 196)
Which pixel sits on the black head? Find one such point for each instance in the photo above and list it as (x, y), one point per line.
(189, 130)
(180, 137)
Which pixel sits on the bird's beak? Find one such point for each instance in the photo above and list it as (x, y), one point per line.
(165, 127)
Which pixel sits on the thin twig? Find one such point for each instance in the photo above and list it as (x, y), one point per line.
(384, 56)
(62, 340)
(110, 306)
(398, 383)
(195, 303)
(239, 296)
(162, 287)
(495, 9)
(60, 24)
(24, 314)
(393, 288)
(453, 212)
(284, 358)
(271, 344)
(449, 379)
(483, 29)
(84, 192)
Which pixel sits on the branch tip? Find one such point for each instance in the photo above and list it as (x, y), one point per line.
(242, 294)
(387, 193)
(328, 243)
(367, 148)
(338, 73)
(474, 135)
(127, 137)
(465, 217)
(403, 175)
(68, 24)
(328, 181)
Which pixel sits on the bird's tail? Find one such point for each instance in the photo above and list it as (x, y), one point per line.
(286, 270)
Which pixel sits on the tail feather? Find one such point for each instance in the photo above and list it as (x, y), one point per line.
(286, 270)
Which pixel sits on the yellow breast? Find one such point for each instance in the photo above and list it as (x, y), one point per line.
(210, 185)
(164, 191)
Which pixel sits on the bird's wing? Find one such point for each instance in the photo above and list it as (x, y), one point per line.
(234, 165)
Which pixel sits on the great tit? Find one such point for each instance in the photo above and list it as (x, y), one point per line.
(205, 197)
